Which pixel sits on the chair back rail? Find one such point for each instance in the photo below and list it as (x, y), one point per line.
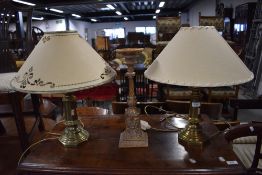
(244, 130)
(245, 104)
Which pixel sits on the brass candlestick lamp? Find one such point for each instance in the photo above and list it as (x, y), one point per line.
(133, 136)
(192, 135)
(197, 57)
(63, 62)
(74, 133)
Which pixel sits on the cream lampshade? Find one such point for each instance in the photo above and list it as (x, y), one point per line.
(198, 57)
(63, 62)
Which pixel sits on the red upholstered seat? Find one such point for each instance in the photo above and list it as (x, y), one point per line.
(100, 93)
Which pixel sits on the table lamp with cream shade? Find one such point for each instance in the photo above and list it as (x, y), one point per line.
(197, 57)
(63, 62)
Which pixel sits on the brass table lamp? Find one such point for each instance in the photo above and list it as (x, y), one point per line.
(197, 57)
(133, 135)
(63, 62)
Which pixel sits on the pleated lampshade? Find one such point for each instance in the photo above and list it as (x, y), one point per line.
(198, 57)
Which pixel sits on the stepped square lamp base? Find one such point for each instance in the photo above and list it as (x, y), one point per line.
(125, 142)
(133, 135)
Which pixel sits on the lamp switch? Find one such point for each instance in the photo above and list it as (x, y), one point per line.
(144, 125)
(192, 160)
(221, 159)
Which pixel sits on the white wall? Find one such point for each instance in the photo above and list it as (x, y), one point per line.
(45, 25)
(184, 18)
(81, 27)
(50, 25)
(130, 26)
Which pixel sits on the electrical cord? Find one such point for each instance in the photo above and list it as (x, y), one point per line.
(43, 140)
(31, 146)
(169, 114)
(166, 118)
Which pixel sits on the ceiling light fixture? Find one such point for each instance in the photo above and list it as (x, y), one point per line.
(37, 18)
(154, 17)
(118, 12)
(46, 8)
(94, 20)
(13, 15)
(56, 10)
(126, 18)
(161, 4)
(158, 11)
(24, 2)
(110, 6)
(77, 16)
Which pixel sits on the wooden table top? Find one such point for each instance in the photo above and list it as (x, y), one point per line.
(101, 155)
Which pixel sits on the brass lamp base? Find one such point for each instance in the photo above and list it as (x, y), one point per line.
(73, 136)
(191, 136)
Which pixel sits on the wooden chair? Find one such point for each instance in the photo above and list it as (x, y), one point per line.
(223, 94)
(119, 107)
(213, 110)
(86, 110)
(246, 147)
(216, 21)
(172, 92)
(167, 27)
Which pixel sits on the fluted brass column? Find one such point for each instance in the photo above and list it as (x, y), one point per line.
(74, 133)
(192, 134)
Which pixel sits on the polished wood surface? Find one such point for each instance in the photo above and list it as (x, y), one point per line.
(90, 110)
(101, 155)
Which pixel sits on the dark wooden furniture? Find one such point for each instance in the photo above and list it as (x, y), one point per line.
(244, 104)
(101, 155)
(167, 27)
(251, 129)
(222, 94)
(119, 107)
(244, 15)
(90, 110)
(213, 110)
(15, 100)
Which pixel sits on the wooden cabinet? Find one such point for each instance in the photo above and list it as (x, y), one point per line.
(244, 15)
